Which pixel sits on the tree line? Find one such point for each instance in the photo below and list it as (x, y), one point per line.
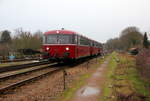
(130, 37)
(10, 44)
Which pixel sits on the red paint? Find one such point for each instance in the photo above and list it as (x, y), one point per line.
(82, 51)
(60, 32)
(57, 51)
(75, 51)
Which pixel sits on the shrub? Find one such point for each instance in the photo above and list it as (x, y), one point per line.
(143, 63)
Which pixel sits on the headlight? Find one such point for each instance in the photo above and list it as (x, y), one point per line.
(47, 48)
(67, 48)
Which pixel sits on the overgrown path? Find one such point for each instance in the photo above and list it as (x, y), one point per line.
(91, 91)
(117, 79)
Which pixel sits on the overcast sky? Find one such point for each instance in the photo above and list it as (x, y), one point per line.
(96, 19)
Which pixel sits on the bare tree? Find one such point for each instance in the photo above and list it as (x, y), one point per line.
(129, 37)
(26, 40)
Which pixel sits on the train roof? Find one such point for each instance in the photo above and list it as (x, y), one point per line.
(60, 31)
(0, 35)
(67, 32)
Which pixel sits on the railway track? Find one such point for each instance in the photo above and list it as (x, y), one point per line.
(22, 66)
(8, 75)
(17, 60)
(12, 81)
(5, 89)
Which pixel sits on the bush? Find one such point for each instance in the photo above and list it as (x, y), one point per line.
(143, 63)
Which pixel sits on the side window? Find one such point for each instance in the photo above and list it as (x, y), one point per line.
(75, 37)
(91, 43)
(84, 41)
(79, 43)
(81, 40)
(94, 44)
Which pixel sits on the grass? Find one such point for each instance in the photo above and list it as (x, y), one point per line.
(125, 73)
(69, 93)
(133, 76)
(111, 68)
(139, 84)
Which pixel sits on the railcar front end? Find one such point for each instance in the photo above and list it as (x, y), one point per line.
(59, 46)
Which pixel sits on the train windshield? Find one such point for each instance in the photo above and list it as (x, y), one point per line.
(59, 39)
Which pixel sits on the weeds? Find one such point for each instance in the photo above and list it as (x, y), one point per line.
(124, 83)
(143, 64)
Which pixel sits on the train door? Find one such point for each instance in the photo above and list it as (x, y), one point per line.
(91, 45)
(77, 46)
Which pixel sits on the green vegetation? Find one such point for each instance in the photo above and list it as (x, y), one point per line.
(138, 84)
(68, 94)
(111, 68)
(124, 82)
(5, 37)
(143, 66)
(145, 41)
(21, 40)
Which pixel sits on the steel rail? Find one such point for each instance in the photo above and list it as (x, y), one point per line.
(5, 89)
(23, 66)
(17, 60)
(3, 78)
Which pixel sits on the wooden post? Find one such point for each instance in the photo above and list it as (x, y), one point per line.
(87, 64)
(96, 60)
(64, 77)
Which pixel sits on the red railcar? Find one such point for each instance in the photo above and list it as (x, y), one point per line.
(64, 44)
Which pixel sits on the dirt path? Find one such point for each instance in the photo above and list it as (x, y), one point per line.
(91, 91)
